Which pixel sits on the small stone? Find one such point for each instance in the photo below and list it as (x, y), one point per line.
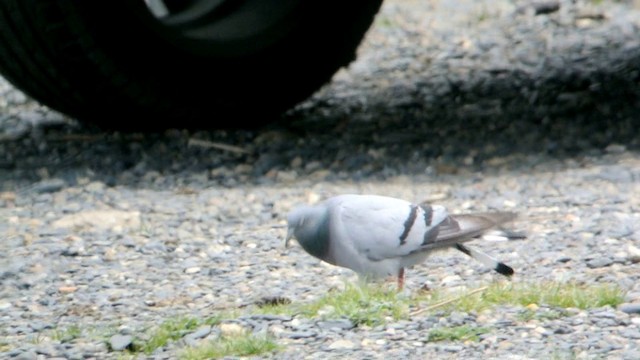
(201, 332)
(271, 317)
(631, 333)
(67, 289)
(192, 270)
(615, 148)
(630, 308)
(296, 162)
(47, 351)
(540, 330)
(26, 355)
(276, 330)
(633, 254)
(5, 305)
(110, 254)
(49, 186)
(95, 187)
(342, 345)
(230, 330)
(342, 324)
(39, 326)
(326, 310)
(451, 279)
(8, 196)
(120, 342)
(563, 330)
(452, 348)
(599, 262)
(533, 307)
(286, 176)
(301, 334)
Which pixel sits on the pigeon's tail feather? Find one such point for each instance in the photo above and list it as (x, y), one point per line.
(486, 220)
(502, 235)
(486, 259)
(460, 228)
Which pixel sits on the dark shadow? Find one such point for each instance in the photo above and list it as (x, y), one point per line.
(355, 130)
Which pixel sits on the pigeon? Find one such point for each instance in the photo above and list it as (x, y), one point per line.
(379, 236)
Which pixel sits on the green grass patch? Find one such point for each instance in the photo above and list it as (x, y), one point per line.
(553, 294)
(171, 330)
(556, 294)
(371, 304)
(66, 334)
(237, 345)
(457, 333)
(365, 304)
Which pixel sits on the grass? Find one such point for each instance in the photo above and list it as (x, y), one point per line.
(363, 305)
(375, 305)
(457, 333)
(370, 305)
(553, 294)
(66, 334)
(171, 330)
(239, 345)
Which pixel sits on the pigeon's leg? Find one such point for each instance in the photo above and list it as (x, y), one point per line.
(400, 279)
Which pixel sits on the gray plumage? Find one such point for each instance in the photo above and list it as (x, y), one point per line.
(378, 236)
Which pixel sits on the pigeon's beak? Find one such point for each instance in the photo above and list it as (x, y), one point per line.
(289, 236)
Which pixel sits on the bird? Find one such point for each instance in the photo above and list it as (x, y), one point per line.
(379, 236)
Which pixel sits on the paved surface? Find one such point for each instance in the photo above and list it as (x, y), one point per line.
(475, 105)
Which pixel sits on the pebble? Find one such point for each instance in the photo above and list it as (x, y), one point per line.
(301, 334)
(630, 308)
(192, 270)
(341, 345)
(451, 348)
(201, 332)
(231, 330)
(120, 342)
(49, 186)
(633, 253)
(340, 324)
(599, 262)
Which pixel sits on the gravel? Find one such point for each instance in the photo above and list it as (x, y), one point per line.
(476, 105)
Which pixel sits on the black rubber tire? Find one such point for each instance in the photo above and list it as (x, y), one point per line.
(111, 64)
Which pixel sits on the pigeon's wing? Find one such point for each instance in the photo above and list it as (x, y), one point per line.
(460, 228)
(381, 227)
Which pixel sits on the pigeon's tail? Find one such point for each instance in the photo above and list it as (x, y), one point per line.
(502, 235)
(460, 228)
(486, 259)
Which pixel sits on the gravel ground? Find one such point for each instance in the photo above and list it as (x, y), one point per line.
(475, 105)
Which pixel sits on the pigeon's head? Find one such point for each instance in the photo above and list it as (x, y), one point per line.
(308, 224)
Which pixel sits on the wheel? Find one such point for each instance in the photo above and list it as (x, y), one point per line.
(153, 63)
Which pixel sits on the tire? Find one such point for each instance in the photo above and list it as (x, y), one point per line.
(120, 64)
